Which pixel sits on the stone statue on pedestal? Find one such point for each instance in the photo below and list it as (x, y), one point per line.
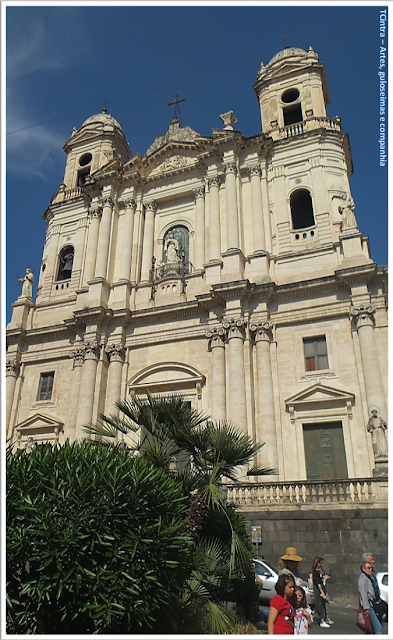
(27, 282)
(378, 427)
(172, 249)
(348, 217)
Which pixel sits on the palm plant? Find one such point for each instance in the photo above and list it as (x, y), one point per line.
(212, 454)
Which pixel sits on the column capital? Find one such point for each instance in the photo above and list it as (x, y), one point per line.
(92, 350)
(255, 170)
(12, 367)
(362, 315)
(262, 330)
(215, 181)
(78, 354)
(130, 204)
(216, 337)
(230, 168)
(152, 204)
(199, 192)
(95, 211)
(108, 200)
(115, 352)
(235, 328)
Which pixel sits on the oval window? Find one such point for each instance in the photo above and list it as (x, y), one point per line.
(290, 96)
(84, 160)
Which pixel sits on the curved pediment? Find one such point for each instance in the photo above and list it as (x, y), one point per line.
(166, 377)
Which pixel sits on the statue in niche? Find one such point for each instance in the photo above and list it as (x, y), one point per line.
(348, 216)
(27, 282)
(378, 427)
(172, 249)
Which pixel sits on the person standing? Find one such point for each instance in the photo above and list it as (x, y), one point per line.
(367, 596)
(320, 591)
(303, 618)
(289, 564)
(281, 612)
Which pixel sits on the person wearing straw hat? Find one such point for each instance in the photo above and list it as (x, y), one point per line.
(289, 563)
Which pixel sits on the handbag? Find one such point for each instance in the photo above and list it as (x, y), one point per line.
(380, 607)
(363, 621)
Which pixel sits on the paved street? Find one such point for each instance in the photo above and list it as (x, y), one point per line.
(344, 617)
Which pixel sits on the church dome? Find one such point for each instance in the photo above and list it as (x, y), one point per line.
(288, 52)
(101, 119)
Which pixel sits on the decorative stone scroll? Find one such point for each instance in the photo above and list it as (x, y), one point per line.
(254, 171)
(130, 204)
(12, 367)
(116, 352)
(230, 168)
(95, 211)
(78, 354)
(235, 328)
(262, 331)
(92, 350)
(216, 337)
(215, 181)
(199, 192)
(362, 315)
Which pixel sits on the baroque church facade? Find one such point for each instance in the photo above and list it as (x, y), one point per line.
(226, 268)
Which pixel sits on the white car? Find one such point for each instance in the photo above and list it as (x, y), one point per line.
(269, 577)
(383, 583)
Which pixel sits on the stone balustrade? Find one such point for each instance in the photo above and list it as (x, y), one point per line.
(72, 193)
(352, 491)
(307, 125)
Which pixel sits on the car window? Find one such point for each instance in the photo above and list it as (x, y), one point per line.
(385, 579)
(262, 570)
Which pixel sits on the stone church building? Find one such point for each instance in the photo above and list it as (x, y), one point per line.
(229, 269)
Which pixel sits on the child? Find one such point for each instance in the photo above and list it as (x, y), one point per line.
(280, 620)
(303, 619)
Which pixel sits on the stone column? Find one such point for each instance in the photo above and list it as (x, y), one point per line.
(148, 240)
(363, 319)
(104, 239)
(237, 412)
(92, 243)
(128, 233)
(78, 355)
(200, 228)
(12, 372)
(217, 380)
(257, 213)
(231, 202)
(214, 227)
(266, 420)
(116, 354)
(87, 388)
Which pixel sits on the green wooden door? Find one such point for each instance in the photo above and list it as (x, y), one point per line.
(324, 450)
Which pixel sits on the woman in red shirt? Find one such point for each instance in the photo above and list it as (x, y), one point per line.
(281, 611)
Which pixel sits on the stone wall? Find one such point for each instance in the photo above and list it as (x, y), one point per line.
(340, 536)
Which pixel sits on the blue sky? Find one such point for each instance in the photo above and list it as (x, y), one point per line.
(63, 62)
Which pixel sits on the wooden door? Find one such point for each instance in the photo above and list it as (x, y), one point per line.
(324, 450)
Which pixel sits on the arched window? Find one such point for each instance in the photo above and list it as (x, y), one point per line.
(301, 209)
(84, 170)
(66, 259)
(176, 242)
(293, 112)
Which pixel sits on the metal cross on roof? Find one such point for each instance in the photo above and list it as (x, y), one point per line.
(104, 109)
(285, 39)
(175, 103)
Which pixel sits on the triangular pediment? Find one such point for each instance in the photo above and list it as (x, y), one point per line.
(39, 424)
(172, 157)
(319, 393)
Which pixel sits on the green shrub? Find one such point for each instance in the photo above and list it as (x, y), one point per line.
(95, 541)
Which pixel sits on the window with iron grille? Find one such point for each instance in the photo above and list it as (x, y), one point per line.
(46, 386)
(315, 353)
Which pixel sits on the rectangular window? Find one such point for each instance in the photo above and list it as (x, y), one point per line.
(315, 353)
(46, 386)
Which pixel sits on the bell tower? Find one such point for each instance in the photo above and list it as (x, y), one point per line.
(292, 88)
(99, 140)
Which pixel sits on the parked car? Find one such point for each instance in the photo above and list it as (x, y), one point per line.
(269, 577)
(383, 583)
